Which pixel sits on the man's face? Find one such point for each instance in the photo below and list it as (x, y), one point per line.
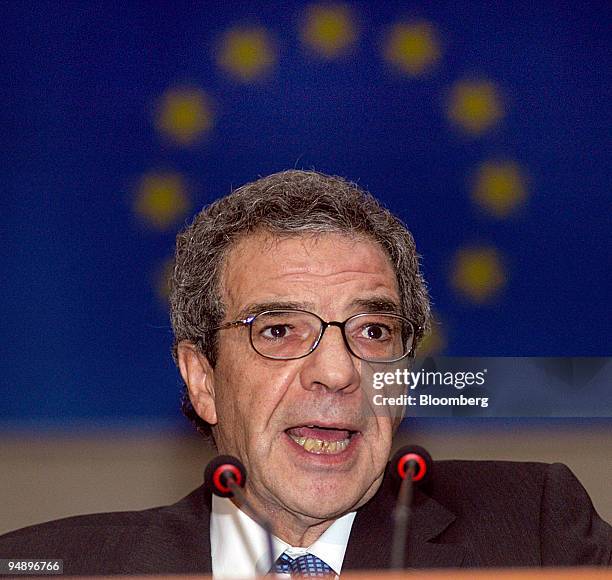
(269, 412)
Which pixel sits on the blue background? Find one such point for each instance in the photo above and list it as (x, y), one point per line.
(85, 335)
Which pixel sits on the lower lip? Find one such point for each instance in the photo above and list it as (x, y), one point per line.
(327, 459)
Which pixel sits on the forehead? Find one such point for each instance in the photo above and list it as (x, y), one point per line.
(324, 270)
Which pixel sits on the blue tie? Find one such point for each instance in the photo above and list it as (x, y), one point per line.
(306, 566)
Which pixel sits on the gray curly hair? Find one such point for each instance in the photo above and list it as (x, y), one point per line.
(289, 203)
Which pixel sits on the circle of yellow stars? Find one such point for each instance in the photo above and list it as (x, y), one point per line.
(248, 54)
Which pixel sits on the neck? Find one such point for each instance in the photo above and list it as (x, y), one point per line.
(299, 535)
(295, 529)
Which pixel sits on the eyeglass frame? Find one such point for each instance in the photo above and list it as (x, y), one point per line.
(248, 321)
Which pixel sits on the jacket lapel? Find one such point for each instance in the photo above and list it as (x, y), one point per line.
(429, 520)
(371, 537)
(193, 513)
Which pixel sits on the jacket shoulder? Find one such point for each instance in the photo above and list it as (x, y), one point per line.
(460, 484)
(536, 508)
(116, 542)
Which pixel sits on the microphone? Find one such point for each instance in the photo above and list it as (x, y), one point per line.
(225, 476)
(411, 465)
(223, 473)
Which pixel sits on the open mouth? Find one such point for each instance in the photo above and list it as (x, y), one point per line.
(321, 440)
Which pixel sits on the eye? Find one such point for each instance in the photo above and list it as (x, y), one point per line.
(275, 332)
(375, 332)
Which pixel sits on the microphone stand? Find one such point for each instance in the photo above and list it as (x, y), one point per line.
(264, 523)
(401, 518)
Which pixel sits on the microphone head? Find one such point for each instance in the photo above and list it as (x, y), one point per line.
(423, 463)
(222, 469)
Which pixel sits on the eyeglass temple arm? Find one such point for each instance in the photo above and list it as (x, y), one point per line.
(244, 322)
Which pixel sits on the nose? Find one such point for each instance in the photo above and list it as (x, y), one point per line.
(331, 366)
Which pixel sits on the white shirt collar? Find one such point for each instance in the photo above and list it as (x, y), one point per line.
(239, 546)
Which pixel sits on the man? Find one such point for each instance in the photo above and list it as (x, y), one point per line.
(283, 293)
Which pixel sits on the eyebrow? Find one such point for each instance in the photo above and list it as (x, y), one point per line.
(376, 304)
(256, 308)
(372, 304)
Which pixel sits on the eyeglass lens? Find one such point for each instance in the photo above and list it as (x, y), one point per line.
(291, 334)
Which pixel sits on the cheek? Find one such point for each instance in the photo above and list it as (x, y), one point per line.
(382, 438)
(249, 391)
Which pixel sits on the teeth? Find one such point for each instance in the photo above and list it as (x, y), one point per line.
(319, 446)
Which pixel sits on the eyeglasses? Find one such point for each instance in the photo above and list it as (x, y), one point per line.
(292, 334)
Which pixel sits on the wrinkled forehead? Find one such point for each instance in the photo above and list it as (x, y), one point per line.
(267, 265)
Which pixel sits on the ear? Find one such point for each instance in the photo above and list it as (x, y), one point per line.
(199, 378)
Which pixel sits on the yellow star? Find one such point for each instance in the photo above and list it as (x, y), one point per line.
(499, 188)
(478, 273)
(161, 199)
(329, 29)
(475, 106)
(412, 47)
(184, 114)
(246, 53)
(434, 342)
(162, 278)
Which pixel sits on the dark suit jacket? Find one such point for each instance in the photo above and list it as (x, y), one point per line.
(471, 514)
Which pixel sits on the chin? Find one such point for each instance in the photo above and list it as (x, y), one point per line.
(325, 499)
(323, 508)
